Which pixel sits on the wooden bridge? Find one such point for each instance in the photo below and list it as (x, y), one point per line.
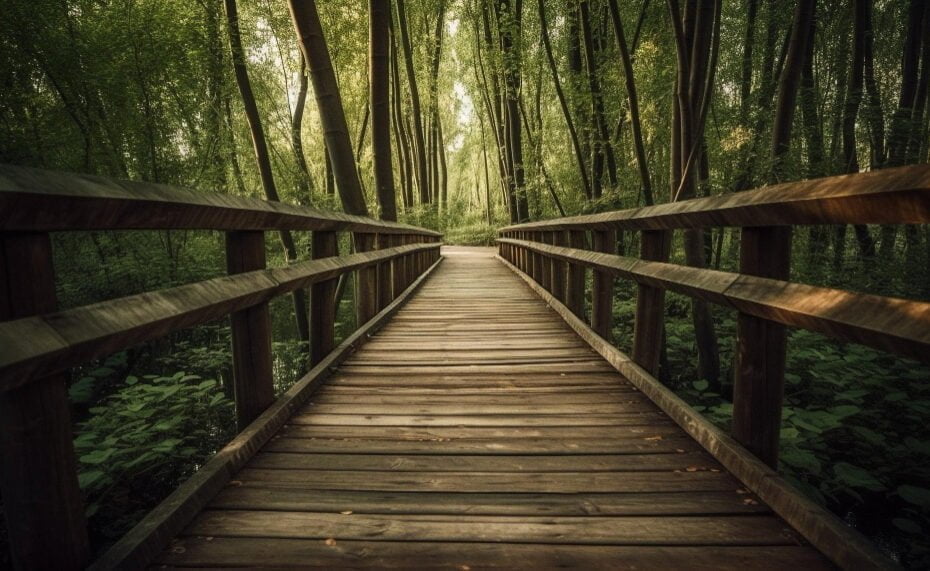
(474, 419)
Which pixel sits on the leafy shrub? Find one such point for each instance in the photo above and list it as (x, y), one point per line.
(143, 441)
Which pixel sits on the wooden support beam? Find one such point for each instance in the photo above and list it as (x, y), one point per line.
(385, 241)
(761, 344)
(38, 472)
(251, 332)
(574, 290)
(546, 272)
(398, 269)
(322, 300)
(602, 295)
(650, 305)
(558, 268)
(366, 281)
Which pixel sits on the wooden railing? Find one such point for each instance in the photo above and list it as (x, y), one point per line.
(38, 475)
(554, 254)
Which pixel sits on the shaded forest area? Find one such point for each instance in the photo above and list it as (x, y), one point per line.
(464, 116)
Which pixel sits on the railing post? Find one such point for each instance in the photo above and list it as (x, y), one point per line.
(38, 472)
(384, 273)
(366, 291)
(650, 305)
(251, 332)
(760, 371)
(546, 275)
(558, 272)
(602, 295)
(322, 300)
(574, 288)
(397, 268)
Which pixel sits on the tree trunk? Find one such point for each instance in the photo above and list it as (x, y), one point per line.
(305, 184)
(380, 86)
(419, 138)
(329, 102)
(262, 157)
(566, 113)
(633, 101)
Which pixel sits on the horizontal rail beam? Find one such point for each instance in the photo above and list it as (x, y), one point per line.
(888, 196)
(895, 325)
(34, 347)
(37, 200)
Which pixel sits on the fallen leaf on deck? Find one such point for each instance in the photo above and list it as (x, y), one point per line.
(330, 541)
(347, 512)
(653, 438)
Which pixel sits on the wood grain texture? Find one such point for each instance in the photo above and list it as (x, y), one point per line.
(151, 535)
(60, 340)
(888, 196)
(843, 545)
(42, 502)
(251, 332)
(43, 200)
(895, 325)
(458, 428)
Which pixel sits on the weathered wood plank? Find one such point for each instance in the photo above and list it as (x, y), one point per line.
(65, 339)
(42, 200)
(696, 530)
(886, 196)
(248, 497)
(890, 324)
(151, 535)
(312, 553)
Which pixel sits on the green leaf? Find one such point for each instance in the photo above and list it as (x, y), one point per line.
(915, 495)
(856, 477)
(700, 385)
(131, 380)
(802, 459)
(89, 478)
(98, 456)
(845, 410)
(82, 390)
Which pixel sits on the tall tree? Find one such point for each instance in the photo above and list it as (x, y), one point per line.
(262, 157)
(419, 137)
(380, 88)
(329, 102)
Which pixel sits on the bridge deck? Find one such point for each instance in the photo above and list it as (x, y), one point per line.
(477, 430)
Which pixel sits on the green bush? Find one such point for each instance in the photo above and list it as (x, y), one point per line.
(143, 441)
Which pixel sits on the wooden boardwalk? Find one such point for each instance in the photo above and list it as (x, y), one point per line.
(477, 429)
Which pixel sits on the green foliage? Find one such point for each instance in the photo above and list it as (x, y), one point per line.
(145, 439)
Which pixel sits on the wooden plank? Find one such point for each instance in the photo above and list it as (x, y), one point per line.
(250, 497)
(477, 420)
(498, 446)
(574, 288)
(311, 553)
(887, 196)
(150, 536)
(251, 332)
(759, 383)
(695, 530)
(42, 501)
(843, 545)
(43, 200)
(480, 409)
(61, 340)
(890, 324)
(690, 462)
(654, 431)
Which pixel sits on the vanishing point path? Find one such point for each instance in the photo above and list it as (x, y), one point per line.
(476, 429)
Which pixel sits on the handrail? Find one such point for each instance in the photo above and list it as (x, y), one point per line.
(554, 254)
(894, 325)
(889, 196)
(35, 200)
(38, 475)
